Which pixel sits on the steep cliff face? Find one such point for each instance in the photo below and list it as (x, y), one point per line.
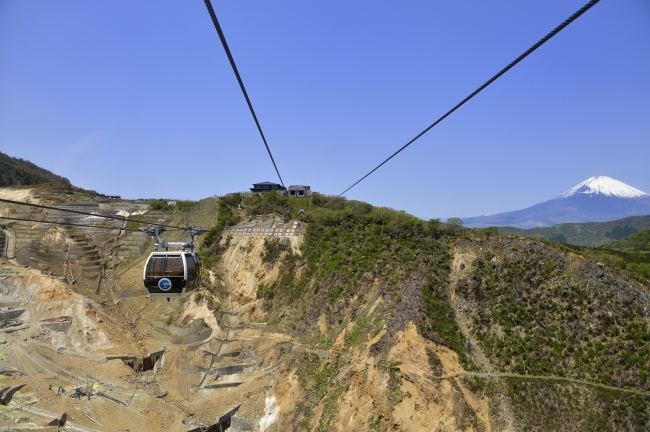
(347, 351)
(244, 270)
(542, 330)
(348, 388)
(373, 320)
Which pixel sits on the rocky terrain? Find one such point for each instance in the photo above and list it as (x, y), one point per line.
(366, 319)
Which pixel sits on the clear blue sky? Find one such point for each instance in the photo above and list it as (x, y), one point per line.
(138, 98)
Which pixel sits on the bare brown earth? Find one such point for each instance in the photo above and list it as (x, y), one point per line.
(47, 361)
(17, 194)
(81, 338)
(176, 395)
(51, 362)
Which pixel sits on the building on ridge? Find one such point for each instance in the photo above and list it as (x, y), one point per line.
(115, 197)
(299, 190)
(267, 187)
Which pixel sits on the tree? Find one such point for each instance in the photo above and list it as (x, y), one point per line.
(433, 226)
(491, 232)
(454, 225)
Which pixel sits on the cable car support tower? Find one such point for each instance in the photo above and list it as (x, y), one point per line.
(172, 273)
(161, 243)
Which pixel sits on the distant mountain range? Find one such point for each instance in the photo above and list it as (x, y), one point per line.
(592, 234)
(596, 199)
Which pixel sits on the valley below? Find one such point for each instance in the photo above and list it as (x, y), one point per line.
(360, 319)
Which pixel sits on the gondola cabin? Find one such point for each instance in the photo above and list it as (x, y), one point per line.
(171, 274)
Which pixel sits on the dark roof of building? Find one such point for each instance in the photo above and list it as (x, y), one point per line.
(266, 183)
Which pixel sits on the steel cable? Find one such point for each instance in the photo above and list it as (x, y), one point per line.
(120, 218)
(66, 224)
(213, 15)
(541, 42)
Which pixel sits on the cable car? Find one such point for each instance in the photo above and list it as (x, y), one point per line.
(172, 273)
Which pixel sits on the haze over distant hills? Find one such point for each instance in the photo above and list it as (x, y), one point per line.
(597, 199)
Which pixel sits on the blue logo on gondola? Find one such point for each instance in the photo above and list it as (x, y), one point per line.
(165, 284)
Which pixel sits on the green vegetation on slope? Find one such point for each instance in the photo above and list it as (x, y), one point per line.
(532, 307)
(345, 250)
(351, 249)
(542, 405)
(19, 172)
(318, 381)
(635, 263)
(638, 241)
(227, 215)
(591, 234)
(162, 205)
(538, 311)
(538, 314)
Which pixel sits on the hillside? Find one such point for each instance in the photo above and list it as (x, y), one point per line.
(547, 320)
(591, 234)
(19, 172)
(638, 241)
(366, 319)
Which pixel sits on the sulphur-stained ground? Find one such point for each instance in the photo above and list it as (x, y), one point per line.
(81, 356)
(67, 356)
(91, 352)
(74, 355)
(364, 390)
(55, 350)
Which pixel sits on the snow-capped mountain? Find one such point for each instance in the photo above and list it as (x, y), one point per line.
(597, 199)
(605, 186)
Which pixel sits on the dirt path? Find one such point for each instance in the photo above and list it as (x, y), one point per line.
(541, 377)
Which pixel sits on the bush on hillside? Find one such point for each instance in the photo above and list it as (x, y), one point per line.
(162, 205)
(273, 248)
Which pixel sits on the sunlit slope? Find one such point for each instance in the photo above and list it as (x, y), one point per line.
(638, 241)
(557, 329)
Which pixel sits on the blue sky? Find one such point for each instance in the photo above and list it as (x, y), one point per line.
(138, 98)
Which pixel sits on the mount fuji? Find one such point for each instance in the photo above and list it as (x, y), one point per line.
(597, 199)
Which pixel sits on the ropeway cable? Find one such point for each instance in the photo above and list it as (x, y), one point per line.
(213, 15)
(120, 218)
(66, 224)
(541, 42)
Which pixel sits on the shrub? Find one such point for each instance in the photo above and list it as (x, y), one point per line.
(273, 248)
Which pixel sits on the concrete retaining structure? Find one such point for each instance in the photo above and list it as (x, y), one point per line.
(223, 385)
(178, 331)
(232, 369)
(192, 339)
